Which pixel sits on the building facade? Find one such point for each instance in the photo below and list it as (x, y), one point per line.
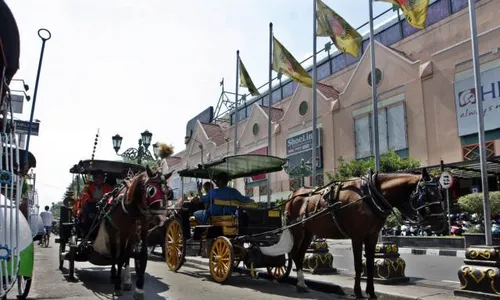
(426, 103)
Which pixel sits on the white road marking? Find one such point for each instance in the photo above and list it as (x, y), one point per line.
(434, 252)
(405, 250)
(450, 281)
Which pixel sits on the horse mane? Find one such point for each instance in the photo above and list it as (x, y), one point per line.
(134, 190)
(390, 180)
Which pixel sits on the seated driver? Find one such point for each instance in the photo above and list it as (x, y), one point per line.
(94, 191)
(222, 192)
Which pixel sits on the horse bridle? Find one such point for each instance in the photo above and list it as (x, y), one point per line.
(383, 206)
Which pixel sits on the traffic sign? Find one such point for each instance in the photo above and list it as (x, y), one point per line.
(446, 180)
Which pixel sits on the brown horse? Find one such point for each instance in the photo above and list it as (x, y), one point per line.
(124, 228)
(357, 209)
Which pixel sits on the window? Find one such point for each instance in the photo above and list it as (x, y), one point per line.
(391, 131)
(363, 140)
(276, 95)
(471, 152)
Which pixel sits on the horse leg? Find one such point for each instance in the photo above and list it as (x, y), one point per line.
(127, 279)
(370, 245)
(357, 251)
(119, 265)
(140, 269)
(298, 258)
(113, 252)
(113, 273)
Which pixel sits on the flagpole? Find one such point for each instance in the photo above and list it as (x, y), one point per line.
(314, 103)
(374, 98)
(236, 103)
(269, 112)
(374, 91)
(480, 124)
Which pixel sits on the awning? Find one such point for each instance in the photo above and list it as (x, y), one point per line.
(467, 169)
(9, 41)
(110, 167)
(237, 166)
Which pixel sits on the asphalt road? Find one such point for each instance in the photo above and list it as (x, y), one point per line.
(442, 269)
(189, 283)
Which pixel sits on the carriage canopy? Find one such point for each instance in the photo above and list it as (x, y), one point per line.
(117, 169)
(236, 166)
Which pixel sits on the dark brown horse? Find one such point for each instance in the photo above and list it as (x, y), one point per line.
(124, 228)
(357, 209)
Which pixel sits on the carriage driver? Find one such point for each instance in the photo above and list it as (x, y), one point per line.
(222, 192)
(93, 192)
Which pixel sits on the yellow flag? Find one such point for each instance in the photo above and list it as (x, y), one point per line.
(414, 10)
(246, 81)
(343, 35)
(285, 63)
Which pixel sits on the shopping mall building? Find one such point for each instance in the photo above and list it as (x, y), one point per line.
(426, 103)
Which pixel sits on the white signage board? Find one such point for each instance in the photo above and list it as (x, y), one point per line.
(17, 103)
(465, 98)
(446, 180)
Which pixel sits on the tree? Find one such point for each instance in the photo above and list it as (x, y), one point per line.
(389, 162)
(473, 203)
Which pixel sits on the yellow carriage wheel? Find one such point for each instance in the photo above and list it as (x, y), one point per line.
(175, 248)
(281, 273)
(221, 258)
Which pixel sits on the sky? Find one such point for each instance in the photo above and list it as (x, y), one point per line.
(124, 66)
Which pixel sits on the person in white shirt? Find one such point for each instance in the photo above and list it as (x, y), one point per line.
(47, 220)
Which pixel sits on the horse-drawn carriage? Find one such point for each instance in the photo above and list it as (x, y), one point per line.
(242, 236)
(120, 222)
(75, 235)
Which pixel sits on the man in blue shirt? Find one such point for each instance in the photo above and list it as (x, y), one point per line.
(222, 192)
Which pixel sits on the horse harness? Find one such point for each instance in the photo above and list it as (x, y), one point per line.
(330, 194)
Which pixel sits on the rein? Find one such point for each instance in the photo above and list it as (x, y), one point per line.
(369, 191)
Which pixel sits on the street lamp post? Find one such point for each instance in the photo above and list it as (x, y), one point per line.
(141, 152)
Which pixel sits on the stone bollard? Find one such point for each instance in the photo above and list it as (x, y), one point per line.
(480, 276)
(389, 266)
(318, 259)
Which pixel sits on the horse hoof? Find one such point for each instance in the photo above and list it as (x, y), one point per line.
(127, 286)
(139, 296)
(302, 289)
(118, 292)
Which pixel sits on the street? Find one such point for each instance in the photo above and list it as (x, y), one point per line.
(442, 269)
(189, 283)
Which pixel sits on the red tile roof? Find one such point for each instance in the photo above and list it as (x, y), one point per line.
(276, 113)
(403, 54)
(173, 160)
(214, 133)
(328, 90)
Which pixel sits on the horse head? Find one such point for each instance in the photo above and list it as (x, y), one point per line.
(424, 206)
(149, 192)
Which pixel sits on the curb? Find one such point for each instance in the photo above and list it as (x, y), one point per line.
(313, 284)
(413, 251)
(433, 252)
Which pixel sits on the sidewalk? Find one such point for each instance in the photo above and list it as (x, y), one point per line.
(346, 245)
(343, 285)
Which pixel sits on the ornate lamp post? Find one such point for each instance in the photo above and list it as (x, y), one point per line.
(303, 170)
(141, 153)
